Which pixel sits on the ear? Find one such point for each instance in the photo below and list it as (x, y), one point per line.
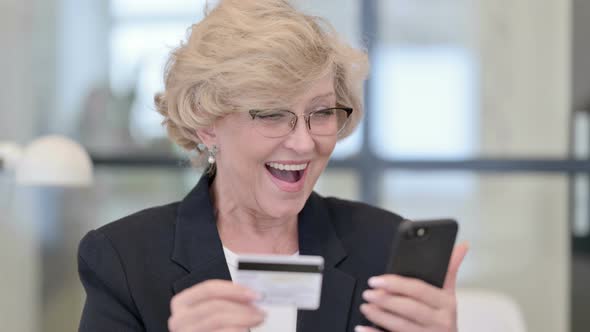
(207, 135)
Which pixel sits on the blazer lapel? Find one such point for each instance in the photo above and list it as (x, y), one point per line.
(197, 246)
(318, 237)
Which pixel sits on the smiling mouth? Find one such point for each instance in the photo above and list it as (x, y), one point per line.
(288, 173)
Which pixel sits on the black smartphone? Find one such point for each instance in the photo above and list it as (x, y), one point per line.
(422, 250)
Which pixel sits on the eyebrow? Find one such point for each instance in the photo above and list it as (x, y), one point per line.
(316, 98)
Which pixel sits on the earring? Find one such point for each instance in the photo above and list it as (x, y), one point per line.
(212, 152)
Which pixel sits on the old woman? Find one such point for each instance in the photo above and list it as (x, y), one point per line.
(263, 92)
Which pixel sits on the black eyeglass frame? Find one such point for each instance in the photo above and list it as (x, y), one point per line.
(307, 116)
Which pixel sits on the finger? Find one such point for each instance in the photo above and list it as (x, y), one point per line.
(222, 289)
(403, 306)
(417, 289)
(387, 320)
(361, 328)
(226, 319)
(456, 259)
(231, 329)
(220, 321)
(193, 316)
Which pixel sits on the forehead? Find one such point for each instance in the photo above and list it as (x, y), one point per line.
(320, 89)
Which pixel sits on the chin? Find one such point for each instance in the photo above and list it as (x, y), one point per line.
(285, 207)
(280, 198)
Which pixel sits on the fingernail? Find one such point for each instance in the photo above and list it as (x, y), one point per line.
(364, 307)
(359, 328)
(369, 295)
(376, 282)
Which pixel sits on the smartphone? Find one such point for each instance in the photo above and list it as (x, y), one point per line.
(422, 250)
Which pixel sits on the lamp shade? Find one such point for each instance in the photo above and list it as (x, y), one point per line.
(10, 154)
(54, 161)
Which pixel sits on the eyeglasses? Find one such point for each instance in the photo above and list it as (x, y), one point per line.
(279, 123)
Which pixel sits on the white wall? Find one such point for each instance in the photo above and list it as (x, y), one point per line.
(51, 51)
(525, 52)
(26, 64)
(17, 37)
(525, 59)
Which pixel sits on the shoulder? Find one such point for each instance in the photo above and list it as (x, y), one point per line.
(149, 228)
(358, 223)
(354, 215)
(119, 261)
(144, 222)
(365, 232)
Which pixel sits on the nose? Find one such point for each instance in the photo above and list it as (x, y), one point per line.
(300, 140)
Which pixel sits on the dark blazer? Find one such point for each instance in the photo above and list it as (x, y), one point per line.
(132, 268)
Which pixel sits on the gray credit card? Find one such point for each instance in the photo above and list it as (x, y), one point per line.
(283, 280)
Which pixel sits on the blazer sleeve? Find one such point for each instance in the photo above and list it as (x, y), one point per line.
(109, 305)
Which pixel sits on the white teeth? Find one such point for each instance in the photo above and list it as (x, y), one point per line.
(284, 167)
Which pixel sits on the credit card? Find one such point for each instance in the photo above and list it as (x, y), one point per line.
(283, 280)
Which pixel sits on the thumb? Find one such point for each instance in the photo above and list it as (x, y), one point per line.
(457, 257)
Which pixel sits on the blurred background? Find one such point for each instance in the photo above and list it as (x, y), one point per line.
(476, 109)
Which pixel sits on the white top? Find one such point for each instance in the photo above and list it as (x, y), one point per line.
(278, 318)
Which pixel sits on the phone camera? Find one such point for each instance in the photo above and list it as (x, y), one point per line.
(420, 232)
(417, 233)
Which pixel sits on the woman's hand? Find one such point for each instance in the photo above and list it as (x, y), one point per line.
(404, 304)
(214, 305)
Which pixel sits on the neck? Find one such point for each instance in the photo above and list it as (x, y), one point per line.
(246, 230)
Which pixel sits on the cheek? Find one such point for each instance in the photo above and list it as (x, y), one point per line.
(242, 147)
(326, 146)
(246, 162)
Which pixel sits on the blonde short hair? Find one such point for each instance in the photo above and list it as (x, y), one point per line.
(252, 54)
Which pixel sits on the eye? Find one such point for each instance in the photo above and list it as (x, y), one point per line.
(271, 116)
(325, 113)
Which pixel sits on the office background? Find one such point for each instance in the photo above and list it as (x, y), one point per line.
(475, 109)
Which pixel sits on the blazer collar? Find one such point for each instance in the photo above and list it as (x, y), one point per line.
(197, 246)
(198, 249)
(316, 233)
(317, 236)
